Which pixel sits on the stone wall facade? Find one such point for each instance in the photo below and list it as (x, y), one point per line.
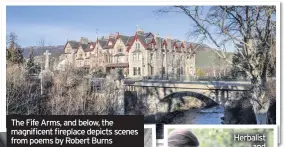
(143, 55)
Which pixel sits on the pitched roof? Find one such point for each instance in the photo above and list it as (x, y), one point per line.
(124, 39)
(84, 46)
(148, 35)
(148, 40)
(102, 42)
(112, 40)
(73, 44)
(88, 49)
(130, 40)
(142, 39)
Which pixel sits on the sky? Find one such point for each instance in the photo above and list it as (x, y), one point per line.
(57, 24)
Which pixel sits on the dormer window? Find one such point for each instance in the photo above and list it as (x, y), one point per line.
(137, 46)
(91, 46)
(119, 50)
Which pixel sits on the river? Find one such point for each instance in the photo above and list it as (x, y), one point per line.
(210, 116)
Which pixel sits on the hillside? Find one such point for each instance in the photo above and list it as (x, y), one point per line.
(55, 51)
(209, 58)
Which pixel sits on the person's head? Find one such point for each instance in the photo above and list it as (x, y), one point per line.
(182, 138)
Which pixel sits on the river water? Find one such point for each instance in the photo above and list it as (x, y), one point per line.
(210, 116)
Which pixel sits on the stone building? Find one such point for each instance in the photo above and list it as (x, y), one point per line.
(151, 56)
(143, 55)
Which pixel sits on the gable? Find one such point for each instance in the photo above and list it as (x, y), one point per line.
(135, 39)
(136, 45)
(80, 50)
(119, 44)
(68, 48)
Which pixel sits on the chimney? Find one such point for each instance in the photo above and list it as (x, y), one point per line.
(168, 37)
(140, 31)
(84, 40)
(184, 44)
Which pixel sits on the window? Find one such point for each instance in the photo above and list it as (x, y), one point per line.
(139, 71)
(151, 56)
(119, 50)
(138, 56)
(137, 46)
(164, 70)
(136, 71)
(151, 70)
(121, 59)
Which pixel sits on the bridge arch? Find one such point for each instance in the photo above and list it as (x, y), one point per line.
(181, 96)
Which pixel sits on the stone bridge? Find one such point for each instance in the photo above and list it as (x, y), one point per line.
(160, 96)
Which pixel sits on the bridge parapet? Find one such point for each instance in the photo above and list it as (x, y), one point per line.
(205, 85)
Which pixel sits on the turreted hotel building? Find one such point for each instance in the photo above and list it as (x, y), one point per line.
(140, 55)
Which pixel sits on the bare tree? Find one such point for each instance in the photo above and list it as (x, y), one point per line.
(22, 94)
(251, 30)
(42, 48)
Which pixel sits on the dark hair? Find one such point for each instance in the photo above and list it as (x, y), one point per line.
(182, 138)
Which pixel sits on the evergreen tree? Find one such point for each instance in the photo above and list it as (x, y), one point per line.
(14, 52)
(30, 64)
